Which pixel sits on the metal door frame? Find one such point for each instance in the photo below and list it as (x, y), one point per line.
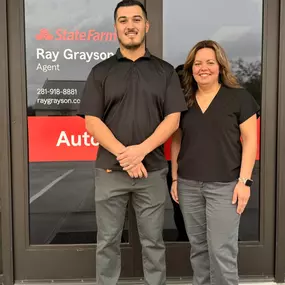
(280, 199)
(5, 159)
(13, 26)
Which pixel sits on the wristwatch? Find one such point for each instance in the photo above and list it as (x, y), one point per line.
(245, 181)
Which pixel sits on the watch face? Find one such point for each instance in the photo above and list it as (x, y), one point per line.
(248, 182)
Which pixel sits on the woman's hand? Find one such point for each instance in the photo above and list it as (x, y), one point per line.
(173, 192)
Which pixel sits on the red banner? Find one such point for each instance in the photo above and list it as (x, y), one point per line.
(66, 139)
(60, 139)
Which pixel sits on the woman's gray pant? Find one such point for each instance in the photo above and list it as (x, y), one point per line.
(148, 196)
(212, 224)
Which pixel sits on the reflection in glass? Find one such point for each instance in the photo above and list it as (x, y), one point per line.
(62, 206)
(174, 228)
(241, 37)
(63, 42)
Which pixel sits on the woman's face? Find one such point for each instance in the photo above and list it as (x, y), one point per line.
(205, 67)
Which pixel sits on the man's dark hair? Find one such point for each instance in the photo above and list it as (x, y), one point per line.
(129, 3)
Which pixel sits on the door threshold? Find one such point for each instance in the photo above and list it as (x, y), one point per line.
(136, 282)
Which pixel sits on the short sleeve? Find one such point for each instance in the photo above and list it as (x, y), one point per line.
(248, 106)
(174, 99)
(92, 98)
(182, 119)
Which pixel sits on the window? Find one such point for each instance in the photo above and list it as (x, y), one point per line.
(237, 26)
(64, 40)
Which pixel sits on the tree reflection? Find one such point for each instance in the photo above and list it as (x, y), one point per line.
(249, 76)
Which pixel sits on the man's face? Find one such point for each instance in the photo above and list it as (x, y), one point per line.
(131, 26)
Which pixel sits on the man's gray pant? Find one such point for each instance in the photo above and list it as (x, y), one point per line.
(148, 196)
(212, 224)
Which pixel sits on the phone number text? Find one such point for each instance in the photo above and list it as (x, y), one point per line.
(56, 91)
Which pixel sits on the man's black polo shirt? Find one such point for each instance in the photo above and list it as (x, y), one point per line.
(132, 98)
(211, 149)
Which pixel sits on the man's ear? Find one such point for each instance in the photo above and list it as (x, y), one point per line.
(147, 26)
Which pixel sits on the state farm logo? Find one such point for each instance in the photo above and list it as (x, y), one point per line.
(44, 34)
(65, 35)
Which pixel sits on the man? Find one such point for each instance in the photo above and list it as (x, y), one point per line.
(131, 103)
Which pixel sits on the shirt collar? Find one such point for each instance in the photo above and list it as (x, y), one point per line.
(119, 55)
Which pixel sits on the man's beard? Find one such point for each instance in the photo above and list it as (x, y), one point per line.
(132, 46)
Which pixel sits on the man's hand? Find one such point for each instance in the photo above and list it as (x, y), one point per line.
(131, 156)
(173, 192)
(241, 195)
(138, 171)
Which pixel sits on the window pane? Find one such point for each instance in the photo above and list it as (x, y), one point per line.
(237, 26)
(64, 40)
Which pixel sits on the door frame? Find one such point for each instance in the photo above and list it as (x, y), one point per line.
(15, 157)
(252, 251)
(5, 159)
(263, 250)
(280, 199)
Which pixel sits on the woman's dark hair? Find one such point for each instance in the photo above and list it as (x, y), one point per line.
(226, 77)
(129, 3)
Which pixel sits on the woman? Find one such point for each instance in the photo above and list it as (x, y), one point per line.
(212, 155)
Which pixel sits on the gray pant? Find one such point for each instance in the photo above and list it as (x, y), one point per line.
(212, 225)
(148, 196)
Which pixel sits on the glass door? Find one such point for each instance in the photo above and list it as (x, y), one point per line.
(248, 31)
(53, 46)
